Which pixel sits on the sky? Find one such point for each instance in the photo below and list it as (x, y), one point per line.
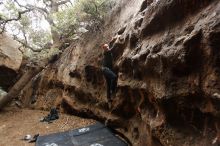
(42, 23)
(36, 24)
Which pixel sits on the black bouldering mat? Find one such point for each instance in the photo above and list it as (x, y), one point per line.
(94, 135)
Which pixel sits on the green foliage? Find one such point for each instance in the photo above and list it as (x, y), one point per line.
(11, 9)
(87, 14)
(39, 38)
(25, 21)
(66, 18)
(44, 54)
(93, 8)
(2, 16)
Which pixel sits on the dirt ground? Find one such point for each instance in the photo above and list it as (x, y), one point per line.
(16, 123)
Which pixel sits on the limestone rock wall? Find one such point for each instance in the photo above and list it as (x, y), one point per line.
(166, 56)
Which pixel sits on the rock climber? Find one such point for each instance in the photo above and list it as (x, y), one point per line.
(110, 76)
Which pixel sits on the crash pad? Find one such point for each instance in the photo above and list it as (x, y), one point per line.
(93, 135)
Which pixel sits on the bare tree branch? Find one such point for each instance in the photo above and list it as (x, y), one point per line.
(3, 22)
(25, 37)
(32, 7)
(44, 10)
(63, 2)
(26, 45)
(21, 50)
(2, 28)
(19, 4)
(28, 8)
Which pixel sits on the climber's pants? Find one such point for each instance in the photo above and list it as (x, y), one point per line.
(111, 81)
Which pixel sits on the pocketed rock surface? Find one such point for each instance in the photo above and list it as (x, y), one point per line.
(167, 58)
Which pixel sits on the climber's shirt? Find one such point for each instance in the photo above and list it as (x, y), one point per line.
(107, 60)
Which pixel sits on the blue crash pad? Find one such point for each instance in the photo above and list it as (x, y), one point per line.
(93, 135)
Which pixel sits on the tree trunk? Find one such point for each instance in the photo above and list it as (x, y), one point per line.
(15, 90)
(54, 32)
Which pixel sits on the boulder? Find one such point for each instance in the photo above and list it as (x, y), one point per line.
(10, 60)
(10, 55)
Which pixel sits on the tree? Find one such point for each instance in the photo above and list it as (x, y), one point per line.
(45, 11)
(65, 20)
(48, 11)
